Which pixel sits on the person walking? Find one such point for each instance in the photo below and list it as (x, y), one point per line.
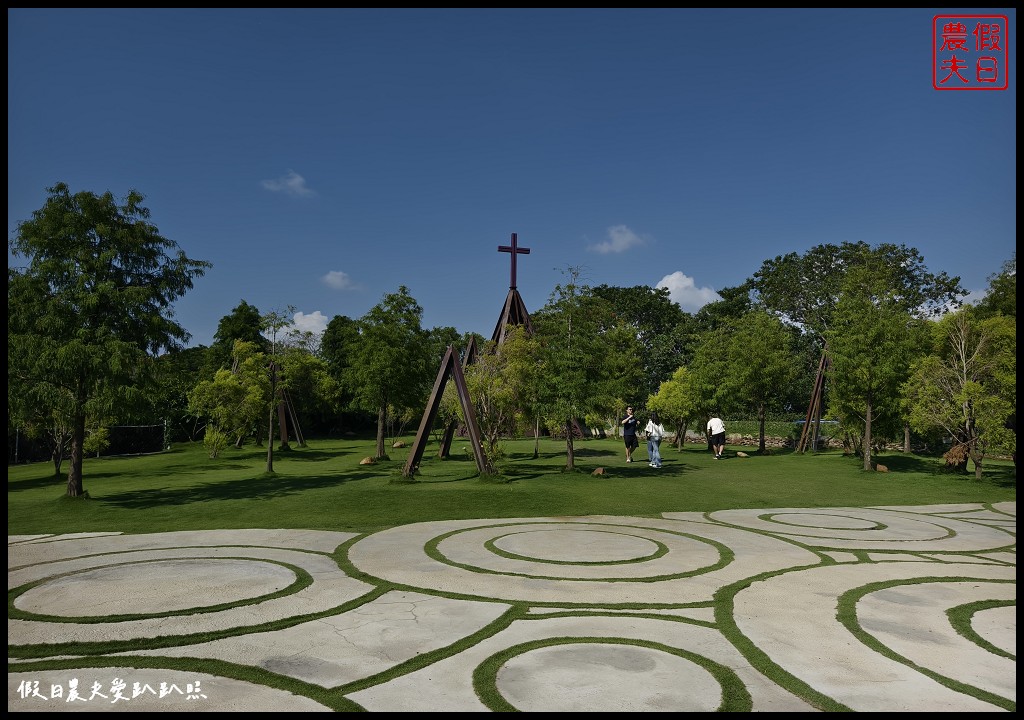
(716, 429)
(629, 429)
(655, 432)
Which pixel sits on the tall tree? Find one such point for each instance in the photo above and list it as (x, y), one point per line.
(177, 372)
(502, 384)
(94, 304)
(273, 324)
(871, 347)
(575, 372)
(761, 366)
(392, 362)
(804, 290)
(967, 386)
(234, 400)
(711, 362)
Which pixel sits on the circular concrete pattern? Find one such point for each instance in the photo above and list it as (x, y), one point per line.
(887, 609)
(872, 529)
(899, 635)
(604, 551)
(821, 520)
(224, 582)
(461, 557)
(606, 677)
(577, 546)
(141, 588)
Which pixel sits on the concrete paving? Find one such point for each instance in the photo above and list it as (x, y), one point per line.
(898, 609)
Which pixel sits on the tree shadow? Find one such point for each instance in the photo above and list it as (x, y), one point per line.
(265, 486)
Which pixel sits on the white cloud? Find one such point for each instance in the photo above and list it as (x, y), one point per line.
(337, 280)
(291, 184)
(620, 239)
(315, 322)
(682, 290)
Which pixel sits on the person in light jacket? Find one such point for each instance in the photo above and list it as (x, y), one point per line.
(655, 432)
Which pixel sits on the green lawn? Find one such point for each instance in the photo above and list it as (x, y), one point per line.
(324, 487)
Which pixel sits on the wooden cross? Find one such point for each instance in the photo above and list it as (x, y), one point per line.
(514, 249)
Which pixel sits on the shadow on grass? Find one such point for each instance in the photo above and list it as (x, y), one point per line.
(261, 487)
(307, 455)
(43, 480)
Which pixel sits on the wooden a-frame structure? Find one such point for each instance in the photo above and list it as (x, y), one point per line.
(812, 423)
(512, 313)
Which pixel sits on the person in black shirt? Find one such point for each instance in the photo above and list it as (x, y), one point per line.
(629, 428)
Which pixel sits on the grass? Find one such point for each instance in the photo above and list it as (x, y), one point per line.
(323, 486)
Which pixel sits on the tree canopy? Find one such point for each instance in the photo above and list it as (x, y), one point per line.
(93, 306)
(804, 289)
(391, 365)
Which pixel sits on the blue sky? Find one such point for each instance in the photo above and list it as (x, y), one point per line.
(322, 158)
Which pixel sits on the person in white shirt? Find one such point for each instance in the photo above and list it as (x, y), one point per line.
(716, 429)
(655, 432)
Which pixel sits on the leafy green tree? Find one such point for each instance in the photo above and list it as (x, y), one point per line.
(676, 402)
(242, 323)
(392, 362)
(573, 357)
(805, 289)
(626, 373)
(337, 347)
(655, 321)
(871, 346)
(42, 411)
(273, 324)
(968, 386)
(92, 308)
(735, 303)
(1001, 297)
(314, 393)
(711, 363)
(177, 372)
(234, 399)
(502, 385)
(760, 368)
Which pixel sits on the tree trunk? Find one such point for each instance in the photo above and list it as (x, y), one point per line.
(270, 441)
(906, 438)
(760, 423)
(75, 487)
(382, 414)
(57, 455)
(570, 455)
(536, 438)
(282, 425)
(978, 458)
(270, 421)
(867, 437)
